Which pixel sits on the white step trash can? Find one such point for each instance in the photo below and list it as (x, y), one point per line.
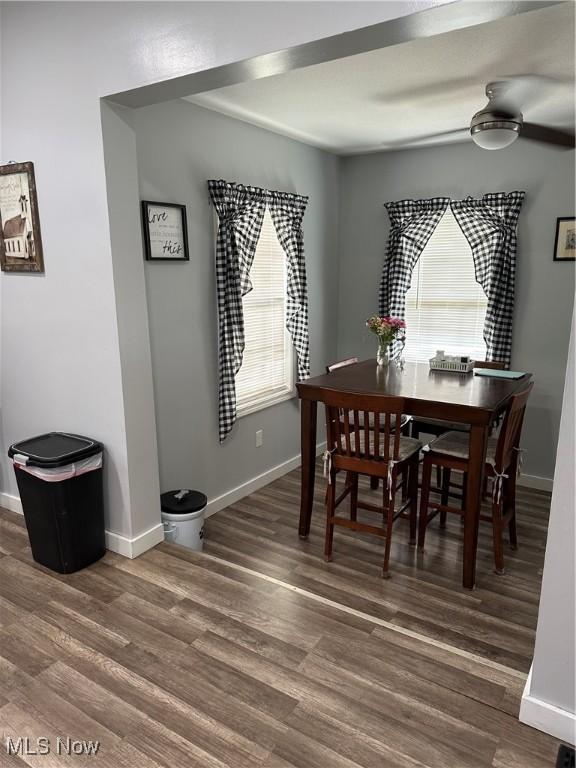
(183, 517)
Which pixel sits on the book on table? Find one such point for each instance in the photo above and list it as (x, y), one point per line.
(497, 374)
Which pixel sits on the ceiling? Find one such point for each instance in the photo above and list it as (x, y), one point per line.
(392, 97)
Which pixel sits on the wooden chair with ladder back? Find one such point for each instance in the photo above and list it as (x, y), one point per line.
(450, 452)
(381, 451)
(404, 421)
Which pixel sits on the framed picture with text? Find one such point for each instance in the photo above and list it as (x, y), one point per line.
(20, 241)
(165, 231)
(565, 244)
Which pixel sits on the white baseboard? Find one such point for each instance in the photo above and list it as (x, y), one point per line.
(235, 494)
(132, 548)
(13, 503)
(538, 483)
(546, 717)
(123, 545)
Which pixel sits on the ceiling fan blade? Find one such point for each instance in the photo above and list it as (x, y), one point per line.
(522, 92)
(546, 135)
(428, 140)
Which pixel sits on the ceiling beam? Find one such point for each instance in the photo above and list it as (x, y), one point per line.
(428, 23)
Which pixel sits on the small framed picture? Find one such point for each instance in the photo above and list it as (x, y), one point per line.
(20, 241)
(165, 231)
(565, 245)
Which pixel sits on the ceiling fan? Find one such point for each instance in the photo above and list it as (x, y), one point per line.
(500, 122)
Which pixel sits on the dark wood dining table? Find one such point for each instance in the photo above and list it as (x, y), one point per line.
(456, 397)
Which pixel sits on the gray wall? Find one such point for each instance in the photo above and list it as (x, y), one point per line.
(544, 289)
(61, 361)
(553, 670)
(179, 147)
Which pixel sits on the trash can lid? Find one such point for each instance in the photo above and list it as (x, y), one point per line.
(55, 449)
(182, 501)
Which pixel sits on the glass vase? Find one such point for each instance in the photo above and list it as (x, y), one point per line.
(382, 356)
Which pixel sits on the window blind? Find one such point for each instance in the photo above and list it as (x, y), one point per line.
(266, 375)
(445, 306)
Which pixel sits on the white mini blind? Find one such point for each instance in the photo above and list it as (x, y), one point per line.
(445, 306)
(267, 372)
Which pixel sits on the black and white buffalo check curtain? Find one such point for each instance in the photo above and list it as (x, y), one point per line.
(240, 212)
(412, 223)
(489, 224)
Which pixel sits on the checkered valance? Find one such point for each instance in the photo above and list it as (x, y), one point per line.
(240, 212)
(489, 224)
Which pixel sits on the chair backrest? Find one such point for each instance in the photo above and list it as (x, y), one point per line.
(509, 438)
(489, 364)
(350, 438)
(341, 364)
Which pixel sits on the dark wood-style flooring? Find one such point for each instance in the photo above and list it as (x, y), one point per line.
(259, 654)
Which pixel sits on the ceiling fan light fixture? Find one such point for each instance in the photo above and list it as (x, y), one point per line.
(494, 127)
(495, 134)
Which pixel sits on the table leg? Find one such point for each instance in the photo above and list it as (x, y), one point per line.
(308, 413)
(477, 453)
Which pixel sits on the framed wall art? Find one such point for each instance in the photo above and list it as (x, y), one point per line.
(20, 241)
(565, 243)
(165, 231)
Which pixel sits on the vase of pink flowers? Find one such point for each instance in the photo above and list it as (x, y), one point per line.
(387, 329)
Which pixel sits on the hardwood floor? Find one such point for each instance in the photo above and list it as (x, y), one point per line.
(497, 620)
(258, 654)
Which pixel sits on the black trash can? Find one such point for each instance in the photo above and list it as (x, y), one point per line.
(59, 477)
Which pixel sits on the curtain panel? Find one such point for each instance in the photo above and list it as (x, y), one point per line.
(489, 224)
(240, 211)
(412, 223)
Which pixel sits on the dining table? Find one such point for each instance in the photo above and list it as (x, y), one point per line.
(460, 398)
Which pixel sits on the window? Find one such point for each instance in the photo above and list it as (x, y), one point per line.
(267, 373)
(445, 306)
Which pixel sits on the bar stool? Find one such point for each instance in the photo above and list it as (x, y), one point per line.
(381, 452)
(451, 452)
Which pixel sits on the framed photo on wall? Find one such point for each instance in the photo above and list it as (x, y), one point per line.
(20, 241)
(565, 243)
(165, 231)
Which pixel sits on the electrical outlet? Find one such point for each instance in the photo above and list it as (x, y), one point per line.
(259, 438)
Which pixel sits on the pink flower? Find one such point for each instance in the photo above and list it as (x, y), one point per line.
(386, 328)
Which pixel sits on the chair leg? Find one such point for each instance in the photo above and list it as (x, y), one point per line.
(438, 476)
(389, 503)
(444, 495)
(512, 532)
(464, 492)
(412, 476)
(405, 482)
(424, 499)
(497, 537)
(374, 482)
(330, 510)
(510, 505)
(354, 496)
